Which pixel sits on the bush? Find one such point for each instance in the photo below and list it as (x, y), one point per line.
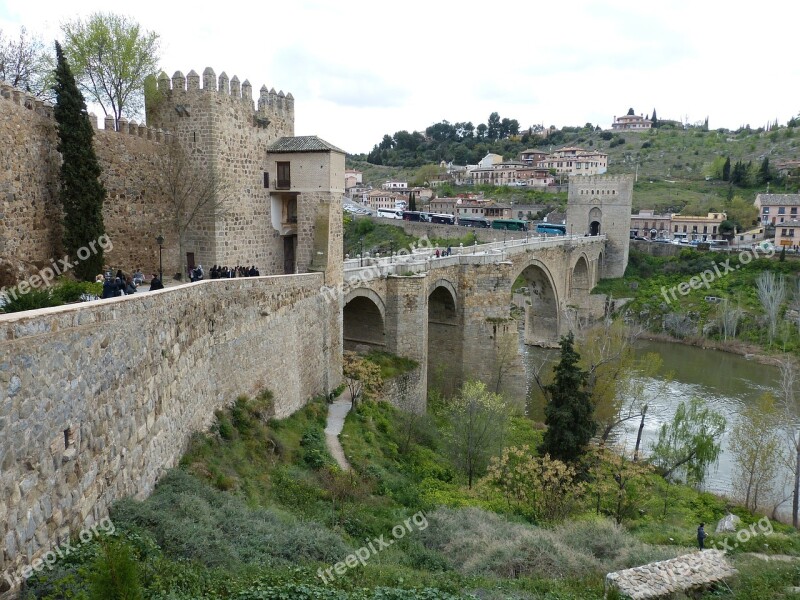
(31, 301)
(477, 542)
(190, 519)
(115, 573)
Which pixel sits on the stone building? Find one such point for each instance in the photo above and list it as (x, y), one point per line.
(602, 205)
(282, 194)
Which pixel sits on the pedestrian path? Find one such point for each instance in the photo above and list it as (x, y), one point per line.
(337, 411)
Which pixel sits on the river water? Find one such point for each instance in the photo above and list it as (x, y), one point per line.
(727, 382)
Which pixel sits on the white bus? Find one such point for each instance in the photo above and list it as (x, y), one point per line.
(390, 213)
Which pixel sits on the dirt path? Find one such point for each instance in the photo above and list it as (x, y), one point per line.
(337, 411)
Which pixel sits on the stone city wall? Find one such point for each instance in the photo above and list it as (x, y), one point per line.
(134, 213)
(99, 398)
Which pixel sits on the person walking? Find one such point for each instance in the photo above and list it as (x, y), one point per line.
(701, 535)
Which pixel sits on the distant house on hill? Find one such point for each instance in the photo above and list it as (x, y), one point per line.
(631, 123)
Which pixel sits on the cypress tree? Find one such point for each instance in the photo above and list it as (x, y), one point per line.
(726, 170)
(412, 202)
(81, 192)
(569, 410)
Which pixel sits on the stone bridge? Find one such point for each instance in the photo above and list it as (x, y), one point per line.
(453, 314)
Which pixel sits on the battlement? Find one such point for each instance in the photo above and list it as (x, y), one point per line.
(25, 99)
(269, 103)
(46, 109)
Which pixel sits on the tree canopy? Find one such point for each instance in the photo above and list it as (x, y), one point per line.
(26, 64)
(111, 56)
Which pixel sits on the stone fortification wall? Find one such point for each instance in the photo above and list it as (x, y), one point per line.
(99, 398)
(29, 166)
(223, 132)
(133, 212)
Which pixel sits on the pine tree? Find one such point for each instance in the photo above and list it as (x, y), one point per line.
(81, 193)
(654, 119)
(569, 410)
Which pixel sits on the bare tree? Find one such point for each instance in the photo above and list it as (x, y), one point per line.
(26, 64)
(797, 303)
(789, 406)
(729, 316)
(771, 292)
(756, 448)
(190, 193)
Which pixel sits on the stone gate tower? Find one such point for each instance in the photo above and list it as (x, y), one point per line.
(601, 204)
(283, 218)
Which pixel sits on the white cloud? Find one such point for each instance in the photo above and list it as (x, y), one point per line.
(360, 69)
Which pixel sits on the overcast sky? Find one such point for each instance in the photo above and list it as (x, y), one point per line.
(359, 69)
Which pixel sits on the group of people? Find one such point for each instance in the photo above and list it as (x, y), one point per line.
(117, 285)
(447, 252)
(220, 272)
(123, 285)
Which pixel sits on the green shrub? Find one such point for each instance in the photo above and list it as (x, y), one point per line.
(190, 519)
(67, 290)
(33, 300)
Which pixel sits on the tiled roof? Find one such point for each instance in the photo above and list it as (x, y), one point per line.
(779, 199)
(792, 223)
(303, 143)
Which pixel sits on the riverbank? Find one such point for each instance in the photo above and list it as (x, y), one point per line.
(748, 351)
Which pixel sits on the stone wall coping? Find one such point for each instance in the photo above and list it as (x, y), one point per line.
(13, 321)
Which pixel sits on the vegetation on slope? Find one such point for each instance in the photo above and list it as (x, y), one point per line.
(658, 304)
(256, 511)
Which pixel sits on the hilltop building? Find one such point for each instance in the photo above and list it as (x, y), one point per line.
(631, 123)
(575, 161)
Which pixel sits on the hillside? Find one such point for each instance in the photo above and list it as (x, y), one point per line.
(671, 164)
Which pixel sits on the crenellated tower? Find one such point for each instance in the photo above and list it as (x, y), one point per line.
(601, 204)
(224, 131)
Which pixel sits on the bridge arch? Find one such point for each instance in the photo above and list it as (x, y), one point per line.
(363, 320)
(542, 318)
(444, 337)
(580, 278)
(446, 284)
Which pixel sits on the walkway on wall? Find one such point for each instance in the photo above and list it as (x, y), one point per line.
(337, 412)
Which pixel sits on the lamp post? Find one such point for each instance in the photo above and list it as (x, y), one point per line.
(160, 242)
(361, 255)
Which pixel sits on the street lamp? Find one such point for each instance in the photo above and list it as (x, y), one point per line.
(160, 242)
(361, 255)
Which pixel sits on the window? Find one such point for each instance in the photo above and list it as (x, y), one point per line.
(284, 179)
(705, 229)
(781, 210)
(784, 233)
(791, 233)
(793, 210)
(676, 229)
(765, 210)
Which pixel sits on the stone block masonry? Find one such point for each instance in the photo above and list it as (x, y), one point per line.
(98, 399)
(30, 209)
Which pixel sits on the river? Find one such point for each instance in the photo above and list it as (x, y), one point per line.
(727, 381)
